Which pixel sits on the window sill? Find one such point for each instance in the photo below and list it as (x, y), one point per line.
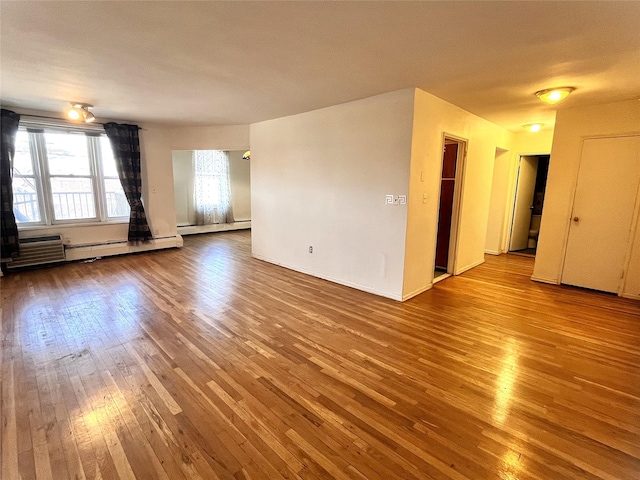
(28, 228)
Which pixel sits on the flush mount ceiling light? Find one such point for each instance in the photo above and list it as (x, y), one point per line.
(533, 127)
(554, 95)
(80, 111)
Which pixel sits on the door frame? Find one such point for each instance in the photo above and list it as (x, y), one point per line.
(508, 226)
(634, 218)
(458, 189)
(515, 197)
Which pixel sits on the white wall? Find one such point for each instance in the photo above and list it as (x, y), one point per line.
(572, 126)
(225, 137)
(505, 175)
(498, 203)
(320, 179)
(631, 288)
(433, 118)
(157, 181)
(240, 179)
(183, 187)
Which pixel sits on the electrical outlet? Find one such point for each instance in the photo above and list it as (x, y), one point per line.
(310, 249)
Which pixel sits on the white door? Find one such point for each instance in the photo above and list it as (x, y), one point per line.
(523, 206)
(602, 213)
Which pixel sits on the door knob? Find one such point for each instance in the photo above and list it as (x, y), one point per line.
(576, 219)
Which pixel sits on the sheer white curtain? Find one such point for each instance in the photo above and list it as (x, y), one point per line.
(212, 189)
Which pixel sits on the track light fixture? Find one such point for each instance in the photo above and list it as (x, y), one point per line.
(80, 111)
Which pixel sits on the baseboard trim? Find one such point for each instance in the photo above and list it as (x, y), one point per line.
(460, 271)
(216, 227)
(417, 292)
(357, 286)
(630, 296)
(492, 252)
(545, 280)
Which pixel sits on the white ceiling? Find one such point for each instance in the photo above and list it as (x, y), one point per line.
(243, 62)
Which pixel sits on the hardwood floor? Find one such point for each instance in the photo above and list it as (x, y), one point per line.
(203, 363)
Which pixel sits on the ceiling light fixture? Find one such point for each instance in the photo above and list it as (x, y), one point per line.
(81, 111)
(554, 95)
(533, 127)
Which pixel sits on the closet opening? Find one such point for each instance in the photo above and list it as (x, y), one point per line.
(528, 203)
(454, 151)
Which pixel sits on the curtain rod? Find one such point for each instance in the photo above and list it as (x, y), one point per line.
(28, 115)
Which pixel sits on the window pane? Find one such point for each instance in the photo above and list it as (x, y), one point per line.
(25, 200)
(22, 164)
(117, 205)
(72, 198)
(67, 154)
(108, 162)
(207, 189)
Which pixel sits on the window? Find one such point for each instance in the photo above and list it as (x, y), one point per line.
(63, 177)
(70, 176)
(26, 195)
(212, 190)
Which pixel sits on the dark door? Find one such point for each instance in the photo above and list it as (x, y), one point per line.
(447, 189)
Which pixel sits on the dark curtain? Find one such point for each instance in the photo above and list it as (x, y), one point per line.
(126, 151)
(8, 128)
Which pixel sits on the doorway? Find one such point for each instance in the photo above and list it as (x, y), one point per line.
(450, 186)
(529, 200)
(212, 190)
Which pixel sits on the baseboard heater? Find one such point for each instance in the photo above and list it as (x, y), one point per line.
(119, 247)
(38, 251)
(100, 244)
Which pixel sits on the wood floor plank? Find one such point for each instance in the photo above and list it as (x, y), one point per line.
(9, 429)
(172, 405)
(204, 363)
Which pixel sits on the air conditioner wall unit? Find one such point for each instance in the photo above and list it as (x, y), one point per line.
(38, 251)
